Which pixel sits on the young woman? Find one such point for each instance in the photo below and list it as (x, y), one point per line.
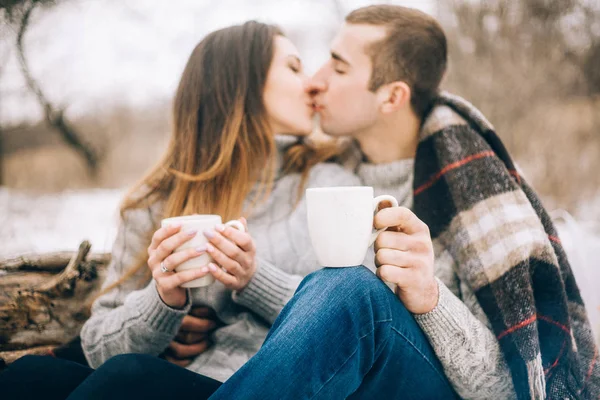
(242, 85)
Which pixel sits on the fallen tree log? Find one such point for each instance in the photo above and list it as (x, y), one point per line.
(45, 299)
(48, 262)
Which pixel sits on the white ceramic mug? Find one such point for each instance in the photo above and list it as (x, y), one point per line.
(199, 223)
(340, 223)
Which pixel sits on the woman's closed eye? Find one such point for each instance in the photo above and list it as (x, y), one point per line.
(295, 67)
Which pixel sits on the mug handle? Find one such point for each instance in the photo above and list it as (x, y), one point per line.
(234, 223)
(376, 202)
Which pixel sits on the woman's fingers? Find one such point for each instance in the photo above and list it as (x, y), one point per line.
(230, 265)
(172, 280)
(161, 234)
(176, 259)
(168, 245)
(222, 276)
(226, 246)
(242, 239)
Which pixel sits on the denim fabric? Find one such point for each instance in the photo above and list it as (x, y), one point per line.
(343, 335)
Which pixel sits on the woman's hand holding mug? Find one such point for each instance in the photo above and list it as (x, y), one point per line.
(193, 251)
(234, 253)
(163, 261)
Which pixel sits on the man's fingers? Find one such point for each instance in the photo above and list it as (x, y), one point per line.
(203, 312)
(198, 325)
(190, 337)
(180, 351)
(182, 363)
(400, 217)
(394, 274)
(384, 204)
(393, 257)
(393, 240)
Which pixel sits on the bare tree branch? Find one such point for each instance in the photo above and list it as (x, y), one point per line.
(54, 117)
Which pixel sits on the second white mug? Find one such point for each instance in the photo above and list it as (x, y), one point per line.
(340, 223)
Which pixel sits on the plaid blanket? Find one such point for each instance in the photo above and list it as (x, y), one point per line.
(467, 189)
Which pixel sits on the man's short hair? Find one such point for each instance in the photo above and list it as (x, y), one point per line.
(414, 51)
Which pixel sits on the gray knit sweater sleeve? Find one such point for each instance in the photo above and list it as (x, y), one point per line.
(129, 319)
(271, 288)
(268, 291)
(467, 349)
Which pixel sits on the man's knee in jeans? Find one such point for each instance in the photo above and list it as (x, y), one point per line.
(354, 279)
(348, 287)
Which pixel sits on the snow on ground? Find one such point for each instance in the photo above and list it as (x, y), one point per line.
(52, 222)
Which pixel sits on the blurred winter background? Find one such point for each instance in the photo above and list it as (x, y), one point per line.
(85, 89)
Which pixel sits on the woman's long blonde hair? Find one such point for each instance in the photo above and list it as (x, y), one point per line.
(221, 144)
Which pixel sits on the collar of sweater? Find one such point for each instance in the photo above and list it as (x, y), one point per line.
(398, 174)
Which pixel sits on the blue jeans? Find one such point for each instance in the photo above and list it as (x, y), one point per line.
(344, 334)
(127, 377)
(41, 377)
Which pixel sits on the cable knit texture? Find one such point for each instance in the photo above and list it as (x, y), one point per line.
(133, 318)
(457, 328)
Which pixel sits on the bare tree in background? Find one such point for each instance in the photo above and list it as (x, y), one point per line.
(19, 14)
(532, 67)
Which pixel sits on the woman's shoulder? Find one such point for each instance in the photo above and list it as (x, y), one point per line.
(141, 212)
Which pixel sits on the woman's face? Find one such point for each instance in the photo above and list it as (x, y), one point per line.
(288, 104)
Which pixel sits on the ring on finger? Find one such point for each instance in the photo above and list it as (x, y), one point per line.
(163, 269)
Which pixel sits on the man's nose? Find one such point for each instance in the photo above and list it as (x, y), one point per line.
(315, 85)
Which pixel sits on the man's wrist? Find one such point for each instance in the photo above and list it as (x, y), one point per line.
(422, 302)
(435, 295)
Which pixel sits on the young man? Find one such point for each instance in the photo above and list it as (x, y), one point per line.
(484, 300)
(504, 315)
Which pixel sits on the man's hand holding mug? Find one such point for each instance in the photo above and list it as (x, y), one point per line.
(341, 222)
(404, 256)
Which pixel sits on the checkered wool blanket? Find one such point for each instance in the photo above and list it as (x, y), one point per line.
(468, 191)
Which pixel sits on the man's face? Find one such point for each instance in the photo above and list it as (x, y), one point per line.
(341, 87)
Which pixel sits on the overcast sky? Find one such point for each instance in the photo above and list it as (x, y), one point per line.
(91, 54)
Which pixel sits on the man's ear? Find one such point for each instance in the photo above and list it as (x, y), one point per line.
(394, 96)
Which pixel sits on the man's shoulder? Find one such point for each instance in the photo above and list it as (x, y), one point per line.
(442, 117)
